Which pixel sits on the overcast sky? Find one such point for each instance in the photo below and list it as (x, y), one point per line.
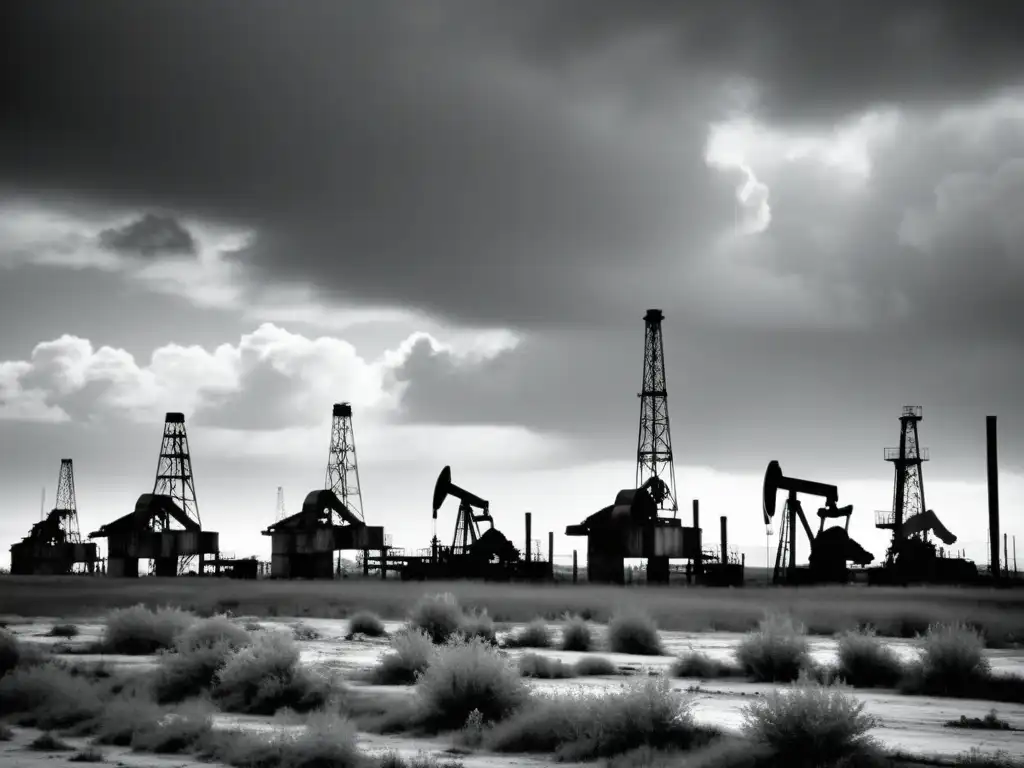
(455, 213)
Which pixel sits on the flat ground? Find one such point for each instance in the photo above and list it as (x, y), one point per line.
(893, 611)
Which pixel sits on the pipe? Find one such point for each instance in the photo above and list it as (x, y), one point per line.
(698, 567)
(725, 540)
(551, 553)
(993, 494)
(529, 521)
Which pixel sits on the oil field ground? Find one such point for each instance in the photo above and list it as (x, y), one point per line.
(893, 612)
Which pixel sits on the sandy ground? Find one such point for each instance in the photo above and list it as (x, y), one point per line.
(913, 725)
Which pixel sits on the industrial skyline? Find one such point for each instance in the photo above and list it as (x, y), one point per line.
(453, 217)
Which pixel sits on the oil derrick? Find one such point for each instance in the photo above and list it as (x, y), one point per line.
(908, 487)
(654, 445)
(174, 479)
(342, 470)
(280, 514)
(66, 504)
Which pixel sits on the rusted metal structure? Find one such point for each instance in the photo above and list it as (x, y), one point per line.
(164, 527)
(912, 556)
(54, 545)
(331, 519)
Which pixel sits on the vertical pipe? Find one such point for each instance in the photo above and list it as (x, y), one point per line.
(725, 540)
(529, 540)
(698, 567)
(993, 493)
(575, 571)
(1006, 557)
(1015, 554)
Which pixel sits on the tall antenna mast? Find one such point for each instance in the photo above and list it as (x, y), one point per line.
(654, 444)
(342, 469)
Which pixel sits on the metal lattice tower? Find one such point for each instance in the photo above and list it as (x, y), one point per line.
(279, 515)
(342, 470)
(66, 503)
(654, 445)
(174, 469)
(908, 487)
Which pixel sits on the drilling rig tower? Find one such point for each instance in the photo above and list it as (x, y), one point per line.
(654, 445)
(174, 479)
(342, 469)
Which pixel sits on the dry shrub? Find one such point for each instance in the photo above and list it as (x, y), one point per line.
(865, 661)
(87, 755)
(176, 732)
(595, 666)
(410, 655)
(63, 630)
(575, 726)
(49, 696)
(952, 661)
(533, 635)
(304, 633)
(10, 652)
(810, 722)
(776, 651)
(544, 667)
(200, 652)
(703, 667)
(327, 740)
(47, 742)
(266, 676)
(467, 675)
(6, 734)
(478, 624)
(366, 623)
(141, 631)
(440, 616)
(634, 633)
(577, 635)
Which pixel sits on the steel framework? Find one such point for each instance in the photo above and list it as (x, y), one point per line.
(654, 444)
(908, 487)
(174, 478)
(342, 469)
(67, 504)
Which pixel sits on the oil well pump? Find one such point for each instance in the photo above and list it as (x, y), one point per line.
(911, 555)
(54, 545)
(831, 549)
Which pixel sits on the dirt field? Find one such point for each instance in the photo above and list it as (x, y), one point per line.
(894, 612)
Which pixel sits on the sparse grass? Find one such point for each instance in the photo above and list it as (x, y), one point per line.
(865, 661)
(366, 623)
(327, 740)
(87, 755)
(199, 653)
(544, 667)
(47, 742)
(703, 667)
(478, 624)
(810, 722)
(635, 633)
(827, 610)
(440, 616)
(392, 759)
(990, 722)
(410, 655)
(266, 676)
(576, 634)
(141, 631)
(10, 652)
(175, 733)
(533, 635)
(304, 633)
(48, 696)
(595, 666)
(575, 726)
(776, 652)
(978, 759)
(63, 630)
(466, 676)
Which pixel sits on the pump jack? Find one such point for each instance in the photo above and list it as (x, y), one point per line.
(467, 530)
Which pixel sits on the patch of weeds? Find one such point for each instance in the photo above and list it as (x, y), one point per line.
(810, 722)
(410, 655)
(576, 726)
(175, 733)
(366, 623)
(478, 624)
(253, 626)
(595, 666)
(466, 676)
(577, 635)
(327, 740)
(726, 752)
(63, 630)
(440, 616)
(544, 667)
(87, 755)
(634, 633)
(533, 635)
(200, 652)
(49, 696)
(141, 631)
(392, 759)
(266, 676)
(865, 661)
(304, 633)
(47, 742)
(10, 652)
(978, 759)
(990, 722)
(776, 651)
(703, 667)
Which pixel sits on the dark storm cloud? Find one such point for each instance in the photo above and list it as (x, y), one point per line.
(492, 163)
(152, 234)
